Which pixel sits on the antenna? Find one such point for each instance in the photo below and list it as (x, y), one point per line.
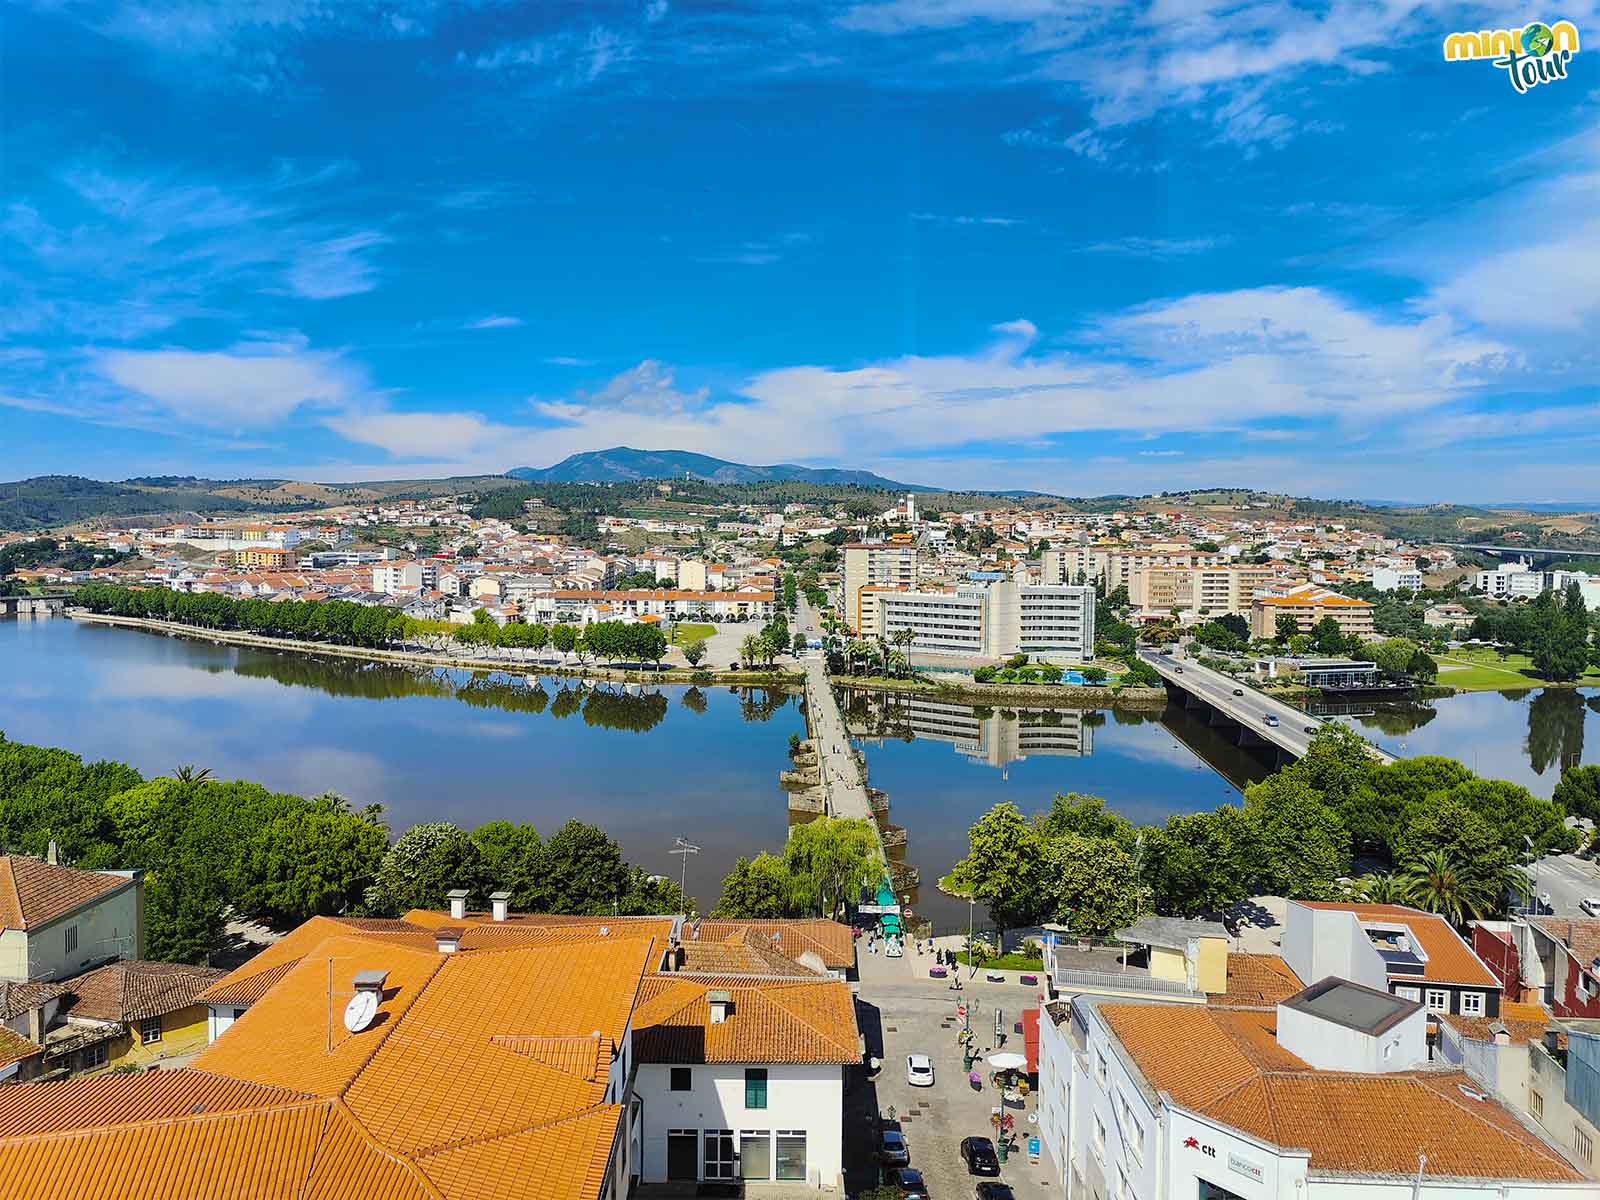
(683, 847)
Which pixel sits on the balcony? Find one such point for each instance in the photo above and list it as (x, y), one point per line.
(1111, 968)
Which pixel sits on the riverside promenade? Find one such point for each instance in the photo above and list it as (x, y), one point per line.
(844, 790)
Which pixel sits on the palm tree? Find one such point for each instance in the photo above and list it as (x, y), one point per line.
(1437, 885)
(749, 650)
(1381, 889)
(896, 662)
(189, 773)
(903, 637)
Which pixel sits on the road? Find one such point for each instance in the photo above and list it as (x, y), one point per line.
(1242, 703)
(1566, 879)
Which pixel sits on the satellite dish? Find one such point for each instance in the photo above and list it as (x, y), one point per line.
(359, 1012)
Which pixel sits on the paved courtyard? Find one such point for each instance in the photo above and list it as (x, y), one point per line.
(904, 1012)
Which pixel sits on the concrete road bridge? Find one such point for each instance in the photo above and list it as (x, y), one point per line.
(52, 605)
(1235, 706)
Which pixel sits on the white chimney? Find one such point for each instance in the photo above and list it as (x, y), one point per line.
(371, 981)
(501, 902)
(447, 939)
(458, 904)
(721, 1005)
(1502, 1035)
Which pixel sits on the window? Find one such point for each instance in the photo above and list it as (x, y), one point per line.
(1100, 1065)
(792, 1154)
(1582, 1143)
(72, 939)
(150, 1030)
(719, 1153)
(755, 1087)
(1099, 1137)
(1472, 1004)
(755, 1154)
(1438, 1000)
(682, 1079)
(1408, 993)
(1536, 1105)
(96, 1055)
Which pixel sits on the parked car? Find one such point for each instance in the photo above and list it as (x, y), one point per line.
(978, 1153)
(993, 1191)
(909, 1181)
(1591, 905)
(892, 1149)
(919, 1070)
(893, 949)
(1270, 719)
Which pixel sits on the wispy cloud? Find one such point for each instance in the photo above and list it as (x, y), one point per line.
(1151, 247)
(337, 267)
(494, 322)
(939, 219)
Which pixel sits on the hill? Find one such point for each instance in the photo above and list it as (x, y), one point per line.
(623, 464)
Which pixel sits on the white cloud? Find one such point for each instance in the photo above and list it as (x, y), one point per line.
(1148, 247)
(494, 322)
(412, 434)
(248, 387)
(336, 267)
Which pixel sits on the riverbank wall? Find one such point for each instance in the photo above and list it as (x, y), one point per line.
(418, 658)
(1015, 695)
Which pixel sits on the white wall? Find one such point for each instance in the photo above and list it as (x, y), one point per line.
(1117, 1106)
(1225, 1157)
(1054, 1095)
(107, 928)
(798, 1097)
(1321, 942)
(1329, 1046)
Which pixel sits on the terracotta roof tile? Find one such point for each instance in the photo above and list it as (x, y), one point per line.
(18, 998)
(33, 892)
(1257, 981)
(1226, 1064)
(829, 939)
(15, 1048)
(770, 1022)
(1450, 959)
(1581, 935)
(133, 990)
(105, 1100)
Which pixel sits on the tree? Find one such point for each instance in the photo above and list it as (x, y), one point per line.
(695, 651)
(1436, 884)
(799, 644)
(1141, 675)
(1005, 868)
(1561, 637)
(1393, 655)
(512, 857)
(1092, 882)
(311, 862)
(564, 638)
(1302, 843)
(1422, 667)
(427, 861)
(1086, 816)
(1202, 862)
(759, 889)
(1578, 793)
(1328, 637)
(1094, 675)
(1285, 627)
(750, 649)
(832, 859)
(1382, 889)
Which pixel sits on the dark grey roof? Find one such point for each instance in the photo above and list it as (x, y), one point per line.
(1171, 932)
(1352, 1005)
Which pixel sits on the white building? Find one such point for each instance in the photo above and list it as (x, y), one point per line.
(1153, 1101)
(1394, 579)
(392, 578)
(58, 921)
(992, 619)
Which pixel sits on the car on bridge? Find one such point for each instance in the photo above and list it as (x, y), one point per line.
(1270, 719)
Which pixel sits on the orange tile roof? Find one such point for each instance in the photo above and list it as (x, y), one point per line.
(1257, 981)
(831, 941)
(1226, 1064)
(133, 990)
(33, 892)
(484, 1074)
(770, 1022)
(1450, 959)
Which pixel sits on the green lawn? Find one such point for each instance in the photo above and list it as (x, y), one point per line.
(1484, 670)
(685, 632)
(1005, 962)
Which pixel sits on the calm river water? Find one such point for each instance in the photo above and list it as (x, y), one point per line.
(651, 764)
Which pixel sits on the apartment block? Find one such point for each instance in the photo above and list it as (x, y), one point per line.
(392, 578)
(992, 619)
(1308, 604)
(875, 564)
(1213, 590)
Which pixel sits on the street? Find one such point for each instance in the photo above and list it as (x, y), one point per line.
(1566, 879)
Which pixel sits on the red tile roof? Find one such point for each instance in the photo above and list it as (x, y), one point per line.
(33, 892)
(134, 990)
(1449, 958)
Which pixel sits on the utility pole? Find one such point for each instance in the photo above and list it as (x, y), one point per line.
(683, 848)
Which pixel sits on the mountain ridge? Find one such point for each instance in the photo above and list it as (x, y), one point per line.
(625, 464)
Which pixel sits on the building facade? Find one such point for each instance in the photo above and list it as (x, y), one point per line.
(875, 564)
(1307, 604)
(992, 619)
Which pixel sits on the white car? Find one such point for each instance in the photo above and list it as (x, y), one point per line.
(893, 949)
(919, 1070)
(1591, 905)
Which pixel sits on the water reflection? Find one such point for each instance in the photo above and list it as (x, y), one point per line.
(1555, 730)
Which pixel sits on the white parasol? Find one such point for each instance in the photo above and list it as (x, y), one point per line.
(1007, 1061)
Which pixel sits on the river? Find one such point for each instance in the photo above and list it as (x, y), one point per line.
(652, 764)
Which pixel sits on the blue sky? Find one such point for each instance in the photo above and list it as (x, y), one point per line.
(997, 243)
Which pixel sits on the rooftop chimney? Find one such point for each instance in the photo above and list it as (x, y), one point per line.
(458, 904)
(371, 981)
(721, 1006)
(1502, 1035)
(447, 939)
(501, 902)
(52, 855)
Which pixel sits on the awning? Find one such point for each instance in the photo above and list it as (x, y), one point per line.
(1030, 1038)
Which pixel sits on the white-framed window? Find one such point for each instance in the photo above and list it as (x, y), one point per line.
(1132, 1131)
(1408, 993)
(1100, 1065)
(755, 1154)
(1099, 1137)
(1438, 1000)
(97, 1055)
(150, 1030)
(1583, 1144)
(1472, 1004)
(1536, 1105)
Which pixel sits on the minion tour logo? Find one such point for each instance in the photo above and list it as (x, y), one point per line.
(1537, 53)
